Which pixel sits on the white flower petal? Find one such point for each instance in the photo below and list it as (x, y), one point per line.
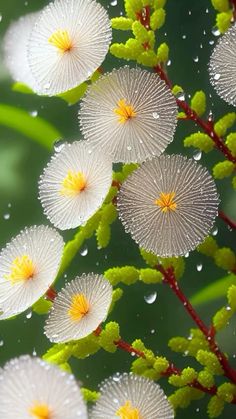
(71, 211)
(222, 66)
(87, 25)
(144, 395)
(147, 133)
(26, 381)
(15, 49)
(98, 292)
(174, 232)
(44, 246)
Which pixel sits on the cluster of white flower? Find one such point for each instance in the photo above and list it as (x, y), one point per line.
(168, 204)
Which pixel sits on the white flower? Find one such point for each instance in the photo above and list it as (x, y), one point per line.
(68, 43)
(169, 205)
(130, 396)
(15, 49)
(32, 388)
(129, 113)
(222, 66)
(28, 266)
(79, 308)
(74, 185)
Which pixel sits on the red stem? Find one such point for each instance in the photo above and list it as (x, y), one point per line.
(207, 126)
(169, 278)
(51, 294)
(233, 3)
(144, 16)
(227, 220)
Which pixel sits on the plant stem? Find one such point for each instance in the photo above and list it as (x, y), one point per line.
(209, 333)
(207, 126)
(227, 220)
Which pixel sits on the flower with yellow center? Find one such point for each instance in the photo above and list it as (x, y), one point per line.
(166, 202)
(61, 40)
(128, 412)
(169, 205)
(40, 411)
(130, 113)
(28, 266)
(74, 184)
(124, 111)
(68, 44)
(32, 388)
(129, 396)
(79, 308)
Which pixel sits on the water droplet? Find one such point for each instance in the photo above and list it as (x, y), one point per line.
(181, 96)
(215, 31)
(151, 298)
(211, 42)
(199, 267)
(196, 59)
(155, 115)
(47, 86)
(186, 255)
(84, 251)
(0, 17)
(214, 231)
(152, 331)
(58, 145)
(168, 63)
(29, 315)
(129, 148)
(1, 342)
(113, 3)
(33, 113)
(6, 216)
(197, 155)
(216, 76)
(184, 37)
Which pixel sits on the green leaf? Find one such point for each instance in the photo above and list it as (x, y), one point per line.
(74, 95)
(213, 291)
(22, 88)
(36, 129)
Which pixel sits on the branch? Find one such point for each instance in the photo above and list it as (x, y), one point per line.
(209, 333)
(207, 126)
(227, 220)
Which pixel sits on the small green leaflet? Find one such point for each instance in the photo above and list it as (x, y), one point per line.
(214, 291)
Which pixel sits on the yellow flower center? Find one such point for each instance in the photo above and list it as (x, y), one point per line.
(61, 40)
(124, 111)
(79, 307)
(73, 184)
(22, 269)
(128, 412)
(166, 201)
(40, 411)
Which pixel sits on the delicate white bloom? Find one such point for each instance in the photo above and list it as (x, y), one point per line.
(169, 205)
(222, 66)
(130, 113)
(74, 185)
(131, 396)
(79, 308)
(32, 388)
(28, 266)
(15, 49)
(68, 43)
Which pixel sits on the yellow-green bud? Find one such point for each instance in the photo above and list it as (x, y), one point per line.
(224, 123)
(225, 258)
(151, 374)
(129, 168)
(134, 48)
(177, 89)
(120, 51)
(122, 23)
(132, 7)
(163, 53)
(116, 296)
(206, 379)
(210, 361)
(148, 59)
(86, 346)
(221, 318)
(157, 19)
(215, 407)
(198, 103)
(150, 276)
(231, 142)
(150, 258)
(109, 213)
(139, 366)
(161, 364)
(178, 344)
(159, 4)
(231, 295)
(234, 182)
(103, 234)
(90, 396)
(127, 274)
(108, 336)
(226, 392)
(223, 21)
(199, 140)
(208, 247)
(220, 5)
(223, 169)
(139, 31)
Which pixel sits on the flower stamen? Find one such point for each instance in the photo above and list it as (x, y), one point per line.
(128, 412)
(40, 411)
(79, 307)
(61, 40)
(22, 269)
(125, 111)
(166, 201)
(73, 184)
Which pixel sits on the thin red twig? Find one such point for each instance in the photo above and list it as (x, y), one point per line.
(144, 16)
(207, 126)
(209, 333)
(233, 3)
(227, 220)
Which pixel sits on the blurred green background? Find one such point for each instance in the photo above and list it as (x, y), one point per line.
(188, 31)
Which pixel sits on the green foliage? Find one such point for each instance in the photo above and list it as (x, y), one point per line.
(183, 397)
(108, 336)
(221, 318)
(74, 95)
(127, 274)
(157, 19)
(198, 103)
(217, 289)
(215, 407)
(231, 296)
(42, 306)
(210, 361)
(224, 123)
(161, 364)
(208, 247)
(90, 396)
(22, 88)
(190, 346)
(150, 276)
(103, 234)
(223, 169)
(206, 379)
(223, 21)
(199, 140)
(162, 53)
(116, 296)
(221, 5)
(122, 23)
(58, 354)
(225, 258)
(84, 347)
(231, 142)
(187, 376)
(152, 260)
(234, 182)
(226, 392)
(35, 128)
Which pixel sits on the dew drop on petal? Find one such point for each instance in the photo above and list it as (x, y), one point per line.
(150, 298)
(58, 145)
(155, 115)
(217, 76)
